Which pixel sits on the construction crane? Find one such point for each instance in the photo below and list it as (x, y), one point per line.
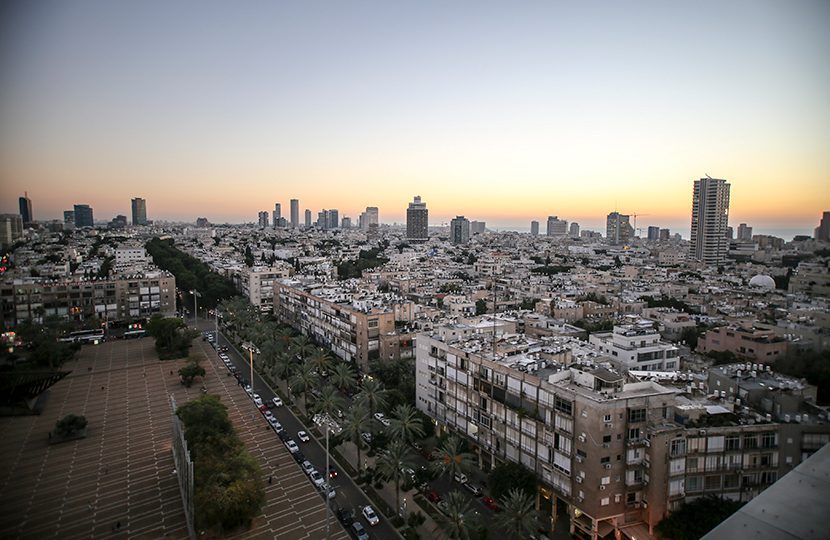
(636, 230)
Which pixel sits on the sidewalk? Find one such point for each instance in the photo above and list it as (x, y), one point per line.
(429, 529)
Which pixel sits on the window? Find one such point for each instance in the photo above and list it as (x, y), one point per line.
(733, 442)
(607, 418)
(605, 459)
(563, 406)
(636, 415)
(606, 438)
(677, 447)
(693, 483)
(769, 440)
(750, 441)
(713, 482)
(605, 501)
(634, 434)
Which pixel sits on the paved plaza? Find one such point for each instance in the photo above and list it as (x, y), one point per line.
(120, 481)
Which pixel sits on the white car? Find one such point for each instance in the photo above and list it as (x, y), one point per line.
(274, 423)
(292, 446)
(380, 417)
(277, 402)
(307, 466)
(303, 436)
(249, 389)
(370, 515)
(330, 491)
(317, 478)
(257, 400)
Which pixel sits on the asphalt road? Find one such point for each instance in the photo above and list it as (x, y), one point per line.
(348, 494)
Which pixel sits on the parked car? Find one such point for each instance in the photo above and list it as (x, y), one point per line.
(277, 401)
(328, 490)
(299, 457)
(472, 488)
(434, 496)
(345, 516)
(443, 506)
(317, 478)
(257, 400)
(490, 503)
(367, 437)
(380, 417)
(359, 532)
(274, 424)
(303, 436)
(283, 435)
(292, 446)
(370, 515)
(307, 467)
(332, 472)
(461, 478)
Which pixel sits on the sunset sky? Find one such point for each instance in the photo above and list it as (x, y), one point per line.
(503, 112)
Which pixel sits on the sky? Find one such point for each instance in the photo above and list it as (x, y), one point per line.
(502, 112)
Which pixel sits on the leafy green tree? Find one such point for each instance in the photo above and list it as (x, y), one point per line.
(390, 465)
(690, 336)
(204, 418)
(696, 518)
(453, 458)
(518, 514)
(70, 425)
(190, 371)
(508, 476)
(173, 338)
(405, 423)
(481, 306)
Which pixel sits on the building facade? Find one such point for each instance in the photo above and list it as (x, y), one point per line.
(637, 345)
(534, 228)
(11, 228)
(295, 213)
(459, 230)
(139, 211)
(83, 216)
(618, 229)
(25, 204)
(710, 218)
(417, 221)
(557, 227)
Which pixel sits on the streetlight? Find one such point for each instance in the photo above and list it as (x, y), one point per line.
(328, 483)
(196, 295)
(251, 348)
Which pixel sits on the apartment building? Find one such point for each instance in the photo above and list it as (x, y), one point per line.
(636, 345)
(355, 325)
(121, 297)
(257, 284)
(616, 454)
(757, 343)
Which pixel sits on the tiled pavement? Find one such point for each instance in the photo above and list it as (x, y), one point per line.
(119, 481)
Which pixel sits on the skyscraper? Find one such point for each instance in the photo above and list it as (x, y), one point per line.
(618, 229)
(417, 220)
(307, 217)
(277, 213)
(26, 208)
(68, 219)
(573, 230)
(534, 228)
(653, 233)
(822, 232)
(557, 227)
(263, 219)
(460, 230)
(710, 218)
(11, 229)
(139, 207)
(295, 213)
(744, 232)
(83, 216)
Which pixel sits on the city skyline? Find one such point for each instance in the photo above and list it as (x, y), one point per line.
(506, 116)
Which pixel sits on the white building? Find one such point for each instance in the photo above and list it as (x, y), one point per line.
(636, 345)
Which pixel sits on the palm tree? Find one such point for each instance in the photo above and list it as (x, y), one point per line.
(342, 376)
(328, 402)
(302, 346)
(283, 336)
(405, 423)
(319, 360)
(355, 424)
(303, 380)
(389, 464)
(373, 395)
(452, 459)
(455, 516)
(518, 514)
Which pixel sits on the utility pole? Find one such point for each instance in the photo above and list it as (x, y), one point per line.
(251, 348)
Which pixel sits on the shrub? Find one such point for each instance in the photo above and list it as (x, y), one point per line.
(70, 425)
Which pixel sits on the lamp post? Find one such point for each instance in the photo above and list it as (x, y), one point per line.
(196, 295)
(251, 348)
(328, 483)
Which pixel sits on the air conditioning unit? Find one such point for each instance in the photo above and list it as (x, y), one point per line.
(581, 438)
(609, 425)
(647, 443)
(607, 465)
(578, 479)
(579, 459)
(606, 445)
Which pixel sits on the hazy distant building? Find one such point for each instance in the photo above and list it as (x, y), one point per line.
(534, 228)
(333, 219)
(118, 222)
(665, 234)
(83, 216)
(744, 232)
(277, 214)
(368, 218)
(459, 230)
(557, 227)
(263, 219)
(307, 218)
(417, 221)
(68, 219)
(477, 227)
(139, 211)
(618, 229)
(346, 223)
(25, 209)
(730, 234)
(710, 217)
(653, 233)
(202, 222)
(573, 230)
(822, 232)
(11, 228)
(295, 213)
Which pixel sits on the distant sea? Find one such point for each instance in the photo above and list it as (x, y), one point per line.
(786, 234)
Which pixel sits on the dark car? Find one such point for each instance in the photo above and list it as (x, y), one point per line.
(332, 472)
(346, 516)
(434, 496)
(490, 503)
(283, 435)
(298, 456)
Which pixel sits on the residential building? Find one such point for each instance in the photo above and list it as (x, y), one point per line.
(118, 222)
(744, 232)
(573, 230)
(346, 222)
(68, 219)
(202, 222)
(710, 217)
(257, 284)
(25, 209)
(127, 296)
(618, 229)
(477, 227)
(83, 216)
(665, 234)
(276, 214)
(755, 342)
(417, 221)
(557, 227)
(636, 345)
(459, 230)
(130, 256)
(295, 214)
(534, 228)
(653, 234)
(307, 220)
(368, 218)
(11, 229)
(139, 211)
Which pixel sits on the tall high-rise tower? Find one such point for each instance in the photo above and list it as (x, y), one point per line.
(83, 216)
(460, 230)
(822, 232)
(26, 208)
(417, 220)
(277, 214)
(710, 217)
(618, 229)
(295, 213)
(139, 208)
